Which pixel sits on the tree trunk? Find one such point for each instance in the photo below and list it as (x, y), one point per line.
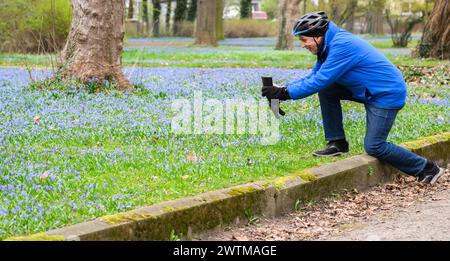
(219, 20)
(145, 16)
(205, 26)
(130, 9)
(435, 42)
(180, 15)
(374, 17)
(192, 11)
(287, 15)
(93, 50)
(155, 16)
(168, 12)
(350, 21)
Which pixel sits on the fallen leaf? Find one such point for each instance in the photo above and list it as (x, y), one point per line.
(44, 175)
(37, 120)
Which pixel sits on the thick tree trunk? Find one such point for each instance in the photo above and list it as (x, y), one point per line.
(205, 26)
(93, 49)
(435, 40)
(219, 20)
(155, 16)
(287, 15)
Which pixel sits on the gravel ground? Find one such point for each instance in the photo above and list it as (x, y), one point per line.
(401, 210)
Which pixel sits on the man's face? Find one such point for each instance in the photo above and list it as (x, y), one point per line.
(310, 44)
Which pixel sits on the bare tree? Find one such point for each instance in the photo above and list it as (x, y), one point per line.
(155, 16)
(374, 16)
(130, 9)
(179, 16)
(205, 26)
(435, 40)
(168, 13)
(401, 28)
(219, 20)
(288, 13)
(352, 6)
(93, 50)
(145, 16)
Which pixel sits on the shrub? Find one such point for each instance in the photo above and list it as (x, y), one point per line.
(236, 28)
(249, 28)
(39, 26)
(185, 29)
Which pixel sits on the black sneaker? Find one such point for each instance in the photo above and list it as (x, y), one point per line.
(334, 148)
(431, 173)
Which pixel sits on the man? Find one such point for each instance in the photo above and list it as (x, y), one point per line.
(349, 68)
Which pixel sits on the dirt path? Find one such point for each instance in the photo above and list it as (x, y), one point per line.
(401, 210)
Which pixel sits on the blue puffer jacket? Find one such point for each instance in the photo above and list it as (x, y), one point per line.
(356, 65)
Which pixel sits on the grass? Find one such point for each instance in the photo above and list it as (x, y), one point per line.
(234, 53)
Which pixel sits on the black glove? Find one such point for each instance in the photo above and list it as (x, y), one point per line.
(272, 92)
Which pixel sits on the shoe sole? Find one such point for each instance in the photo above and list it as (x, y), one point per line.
(329, 155)
(437, 176)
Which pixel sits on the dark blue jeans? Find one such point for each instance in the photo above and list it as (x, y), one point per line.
(378, 124)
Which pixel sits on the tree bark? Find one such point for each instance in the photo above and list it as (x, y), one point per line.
(205, 26)
(219, 20)
(288, 13)
(155, 16)
(435, 42)
(93, 50)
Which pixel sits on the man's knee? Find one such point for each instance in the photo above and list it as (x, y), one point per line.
(334, 92)
(376, 150)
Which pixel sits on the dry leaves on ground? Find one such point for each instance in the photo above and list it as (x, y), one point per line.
(334, 213)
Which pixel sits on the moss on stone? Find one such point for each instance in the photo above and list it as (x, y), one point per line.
(240, 190)
(423, 141)
(37, 237)
(169, 208)
(122, 217)
(307, 176)
(278, 183)
(208, 198)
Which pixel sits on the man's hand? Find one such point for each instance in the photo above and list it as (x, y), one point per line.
(275, 92)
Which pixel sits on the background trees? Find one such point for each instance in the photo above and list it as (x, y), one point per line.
(435, 40)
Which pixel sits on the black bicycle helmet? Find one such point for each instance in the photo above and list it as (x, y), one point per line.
(313, 24)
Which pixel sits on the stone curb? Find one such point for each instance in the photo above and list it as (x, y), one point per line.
(193, 215)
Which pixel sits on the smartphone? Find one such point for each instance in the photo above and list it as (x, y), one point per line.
(267, 81)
